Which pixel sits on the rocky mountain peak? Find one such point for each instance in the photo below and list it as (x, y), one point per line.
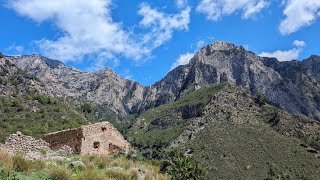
(106, 71)
(221, 45)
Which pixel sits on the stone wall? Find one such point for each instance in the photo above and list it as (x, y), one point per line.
(102, 138)
(21, 143)
(70, 137)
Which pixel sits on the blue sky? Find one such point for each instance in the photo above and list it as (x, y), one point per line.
(143, 40)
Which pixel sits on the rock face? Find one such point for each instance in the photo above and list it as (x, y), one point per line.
(293, 86)
(103, 88)
(14, 80)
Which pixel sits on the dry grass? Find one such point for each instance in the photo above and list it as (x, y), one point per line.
(121, 168)
(59, 174)
(6, 161)
(97, 168)
(22, 165)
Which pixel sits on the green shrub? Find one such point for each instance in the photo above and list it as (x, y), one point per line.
(86, 108)
(59, 174)
(181, 167)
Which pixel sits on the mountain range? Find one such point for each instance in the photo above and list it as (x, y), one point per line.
(292, 86)
(239, 115)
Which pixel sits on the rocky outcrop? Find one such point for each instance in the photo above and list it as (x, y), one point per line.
(293, 86)
(15, 81)
(235, 105)
(104, 88)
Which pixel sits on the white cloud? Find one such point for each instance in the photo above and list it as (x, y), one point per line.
(299, 43)
(15, 48)
(215, 9)
(283, 55)
(200, 44)
(88, 29)
(299, 14)
(182, 60)
(286, 55)
(181, 3)
(162, 25)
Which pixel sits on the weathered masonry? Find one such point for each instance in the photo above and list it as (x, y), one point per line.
(100, 138)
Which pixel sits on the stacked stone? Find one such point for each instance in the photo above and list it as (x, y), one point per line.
(21, 143)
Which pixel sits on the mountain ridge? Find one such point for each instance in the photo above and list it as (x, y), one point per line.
(215, 63)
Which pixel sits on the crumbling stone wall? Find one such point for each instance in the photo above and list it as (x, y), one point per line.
(21, 143)
(70, 137)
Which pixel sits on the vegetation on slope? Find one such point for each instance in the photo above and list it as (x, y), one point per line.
(173, 118)
(242, 137)
(38, 114)
(233, 151)
(26, 106)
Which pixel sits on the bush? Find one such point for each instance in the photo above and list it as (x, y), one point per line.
(59, 174)
(181, 167)
(86, 108)
(22, 165)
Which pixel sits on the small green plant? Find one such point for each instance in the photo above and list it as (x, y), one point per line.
(43, 151)
(8, 176)
(181, 167)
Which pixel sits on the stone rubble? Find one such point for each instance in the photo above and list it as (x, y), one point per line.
(21, 143)
(34, 149)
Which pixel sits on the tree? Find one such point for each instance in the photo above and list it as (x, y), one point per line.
(181, 167)
(1, 55)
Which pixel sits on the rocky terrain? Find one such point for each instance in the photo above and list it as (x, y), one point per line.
(111, 94)
(293, 86)
(27, 105)
(233, 134)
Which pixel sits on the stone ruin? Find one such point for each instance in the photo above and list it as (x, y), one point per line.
(99, 138)
(20, 143)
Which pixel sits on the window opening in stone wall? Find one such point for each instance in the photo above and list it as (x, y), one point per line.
(103, 129)
(96, 145)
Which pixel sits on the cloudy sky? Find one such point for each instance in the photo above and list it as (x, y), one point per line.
(143, 40)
